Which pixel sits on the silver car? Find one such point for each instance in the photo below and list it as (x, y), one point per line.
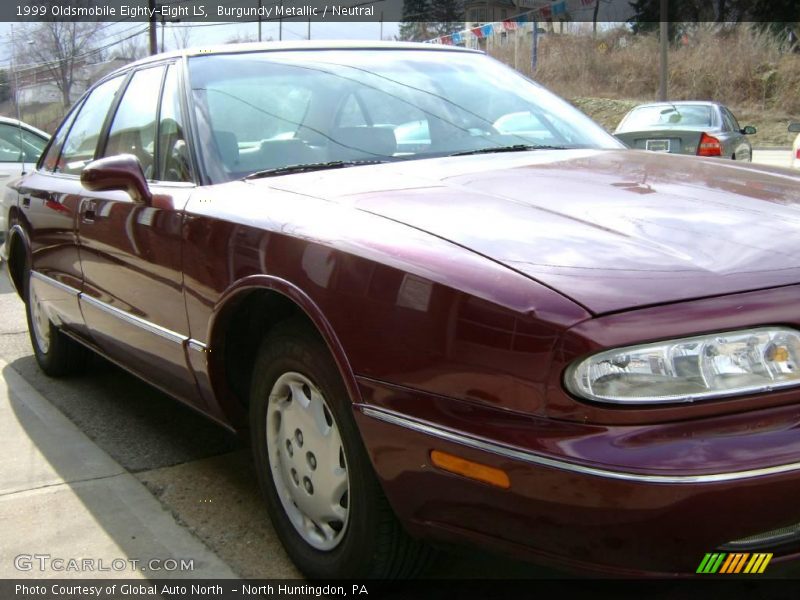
(687, 127)
(20, 147)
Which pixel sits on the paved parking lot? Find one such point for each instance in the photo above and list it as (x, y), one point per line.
(774, 158)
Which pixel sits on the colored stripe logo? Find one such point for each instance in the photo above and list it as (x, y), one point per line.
(735, 562)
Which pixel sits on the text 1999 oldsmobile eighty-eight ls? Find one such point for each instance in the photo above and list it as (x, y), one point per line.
(446, 305)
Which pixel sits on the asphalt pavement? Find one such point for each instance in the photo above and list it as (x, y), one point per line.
(774, 157)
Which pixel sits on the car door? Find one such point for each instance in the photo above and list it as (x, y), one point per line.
(48, 203)
(737, 145)
(131, 249)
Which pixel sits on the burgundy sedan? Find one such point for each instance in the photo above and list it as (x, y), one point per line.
(433, 329)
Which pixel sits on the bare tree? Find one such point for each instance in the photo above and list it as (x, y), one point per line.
(131, 49)
(182, 36)
(60, 49)
(239, 38)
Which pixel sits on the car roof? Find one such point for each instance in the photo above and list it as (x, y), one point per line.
(680, 103)
(298, 45)
(24, 125)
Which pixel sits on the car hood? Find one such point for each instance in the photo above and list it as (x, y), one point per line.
(610, 229)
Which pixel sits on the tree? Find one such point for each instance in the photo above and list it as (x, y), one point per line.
(417, 15)
(131, 49)
(182, 36)
(773, 15)
(246, 38)
(60, 48)
(5, 85)
(448, 16)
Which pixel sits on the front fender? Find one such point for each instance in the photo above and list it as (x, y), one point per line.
(302, 301)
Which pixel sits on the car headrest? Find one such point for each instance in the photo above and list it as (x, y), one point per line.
(276, 153)
(228, 148)
(363, 142)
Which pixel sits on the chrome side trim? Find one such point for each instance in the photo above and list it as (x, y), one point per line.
(134, 320)
(485, 445)
(57, 284)
(163, 332)
(196, 346)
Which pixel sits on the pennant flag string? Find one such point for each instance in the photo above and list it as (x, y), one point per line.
(547, 12)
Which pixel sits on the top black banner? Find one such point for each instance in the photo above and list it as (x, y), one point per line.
(468, 12)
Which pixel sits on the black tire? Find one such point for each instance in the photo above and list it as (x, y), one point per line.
(372, 544)
(60, 355)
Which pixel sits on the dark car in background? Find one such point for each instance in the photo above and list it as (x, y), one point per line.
(443, 304)
(687, 127)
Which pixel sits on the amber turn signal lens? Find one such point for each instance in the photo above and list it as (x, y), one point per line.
(472, 470)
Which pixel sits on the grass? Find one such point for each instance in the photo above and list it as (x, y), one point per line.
(742, 67)
(42, 116)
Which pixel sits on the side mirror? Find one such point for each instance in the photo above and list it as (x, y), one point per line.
(749, 130)
(121, 172)
(794, 127)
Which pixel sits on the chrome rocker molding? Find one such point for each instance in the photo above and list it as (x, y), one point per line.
(477, 443)
(134, 320)
(57, 284)
(197, 346)
(163, 332)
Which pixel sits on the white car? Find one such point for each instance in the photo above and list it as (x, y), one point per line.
(795, 161)
(20, 147)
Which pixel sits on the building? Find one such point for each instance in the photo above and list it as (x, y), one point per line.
(37, 85)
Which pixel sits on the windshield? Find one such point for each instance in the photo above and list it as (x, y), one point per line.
(269, 110)
(667, 116)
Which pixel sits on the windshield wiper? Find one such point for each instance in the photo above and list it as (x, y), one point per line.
(514, 148)
(304, 168)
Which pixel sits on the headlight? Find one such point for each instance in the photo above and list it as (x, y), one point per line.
(690, 369)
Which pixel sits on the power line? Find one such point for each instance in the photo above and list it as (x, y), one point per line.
(32, 66)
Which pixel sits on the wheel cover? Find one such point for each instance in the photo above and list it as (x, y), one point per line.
(39, 321)
(307, 461)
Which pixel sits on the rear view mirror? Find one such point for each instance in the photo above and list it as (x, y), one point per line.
(749, 130)
(120, 172)
(794, 127)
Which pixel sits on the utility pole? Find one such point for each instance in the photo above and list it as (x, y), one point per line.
(259, 20)
(664, 40)
(151, 5)
(280, 24)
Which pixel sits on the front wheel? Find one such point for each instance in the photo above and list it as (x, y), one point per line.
(56, 354)
(323, 498)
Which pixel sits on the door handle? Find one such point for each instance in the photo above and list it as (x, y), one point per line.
(88, 211)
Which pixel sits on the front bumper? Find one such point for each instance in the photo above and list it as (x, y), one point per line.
(590, 515)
